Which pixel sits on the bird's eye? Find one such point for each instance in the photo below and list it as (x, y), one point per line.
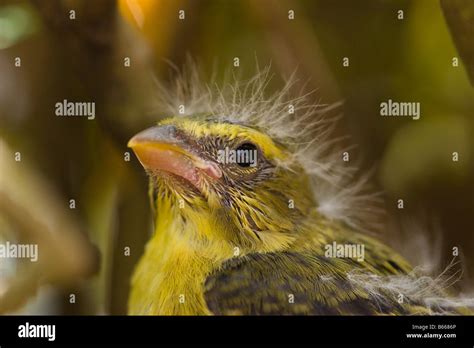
(246, 155)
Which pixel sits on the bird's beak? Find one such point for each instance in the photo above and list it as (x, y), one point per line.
(159, 148)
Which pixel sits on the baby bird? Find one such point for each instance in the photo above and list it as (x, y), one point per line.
(239, 226)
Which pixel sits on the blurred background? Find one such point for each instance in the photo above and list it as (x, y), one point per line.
(111, 51)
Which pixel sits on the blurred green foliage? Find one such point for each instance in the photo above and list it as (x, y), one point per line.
(17, 22)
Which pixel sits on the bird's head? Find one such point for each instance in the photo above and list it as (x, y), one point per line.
(244, 183)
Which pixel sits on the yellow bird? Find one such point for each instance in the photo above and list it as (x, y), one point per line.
(239, 226)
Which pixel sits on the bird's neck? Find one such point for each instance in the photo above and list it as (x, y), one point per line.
(170, 276)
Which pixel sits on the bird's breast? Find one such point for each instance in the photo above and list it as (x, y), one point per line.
(169, 278)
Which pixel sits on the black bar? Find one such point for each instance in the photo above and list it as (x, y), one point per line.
(134, 330)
